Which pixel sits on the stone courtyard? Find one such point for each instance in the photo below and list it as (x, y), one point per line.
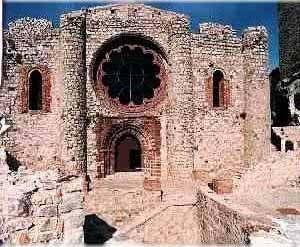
(122, 125)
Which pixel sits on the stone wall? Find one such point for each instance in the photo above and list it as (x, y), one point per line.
(31, 44)
(257, 94)
(193, 134)
(219, 131)
(40, 207)
(219, 223)
(170, 32)
(73, 42)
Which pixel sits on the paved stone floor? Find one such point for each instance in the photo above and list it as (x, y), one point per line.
(120, 199)
(121, 202)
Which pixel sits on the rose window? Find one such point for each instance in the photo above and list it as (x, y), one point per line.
(132, 75)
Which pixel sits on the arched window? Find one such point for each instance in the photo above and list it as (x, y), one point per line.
(35, 91)
(218, 89)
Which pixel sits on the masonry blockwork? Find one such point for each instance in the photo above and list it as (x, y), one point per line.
(140, 72)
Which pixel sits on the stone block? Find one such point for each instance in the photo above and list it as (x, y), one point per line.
(19, 223)
(19, 207)
(49, 185)
(71, 201)
(222, 186)
(46, 211)
(74, 219)
(45, 237)
(46, 224)
(201, 176)
(44, 197)
(72, 186)
(152, 184)
(73, 236)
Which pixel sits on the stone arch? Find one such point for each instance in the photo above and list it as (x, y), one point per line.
(218, 89)
(23, 95)
(35, 89)
(124, 38)
(107, 147)
(103, 86)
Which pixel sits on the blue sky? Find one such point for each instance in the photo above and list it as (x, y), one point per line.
(237, 14)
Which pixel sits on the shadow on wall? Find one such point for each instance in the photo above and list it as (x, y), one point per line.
(96, 231)
(12, 162)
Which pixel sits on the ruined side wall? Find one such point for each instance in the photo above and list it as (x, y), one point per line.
(35, 137)
(219, 131)
(221, 223)
(257, 94)
(289, 38)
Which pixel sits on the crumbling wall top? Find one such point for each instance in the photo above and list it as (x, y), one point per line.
(130, 9)
(215, 32)
(255, 37)
(217, 29)
(30, 28)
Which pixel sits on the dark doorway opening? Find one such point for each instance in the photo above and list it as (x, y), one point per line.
(289, 146)
(35, 90)
(128, 154)
(96, 230)
(217, 88)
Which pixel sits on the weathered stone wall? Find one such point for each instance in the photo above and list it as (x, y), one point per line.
(289, 38)
(257, 94)
(171, 32)
(219, 131)
(72, 43)
(31, 44)
(40, 207)
(222, 223)
(193, 134)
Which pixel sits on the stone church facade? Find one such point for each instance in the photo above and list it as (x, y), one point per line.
(131, 88)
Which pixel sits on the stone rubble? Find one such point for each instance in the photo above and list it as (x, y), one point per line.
(40, 207)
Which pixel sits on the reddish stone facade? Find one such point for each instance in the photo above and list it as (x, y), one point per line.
(146, 130)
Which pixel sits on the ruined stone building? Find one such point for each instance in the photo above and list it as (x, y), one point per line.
(130, 88)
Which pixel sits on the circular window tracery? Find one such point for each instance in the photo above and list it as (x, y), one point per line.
(132, 76)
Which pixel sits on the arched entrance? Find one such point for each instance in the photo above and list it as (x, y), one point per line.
(130, 145)
(128, 154)
(124, 152)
